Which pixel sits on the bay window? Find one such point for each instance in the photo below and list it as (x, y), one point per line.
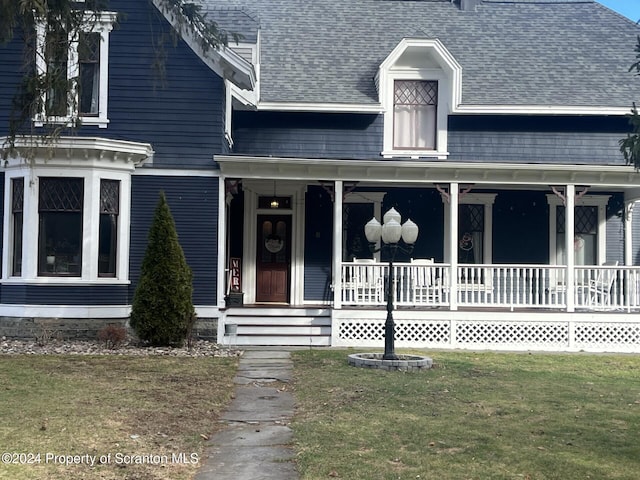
(108, 228)
(68, 212)
(60, 211)
(17, 209)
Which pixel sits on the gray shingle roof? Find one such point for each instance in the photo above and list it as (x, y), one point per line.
(512, 52)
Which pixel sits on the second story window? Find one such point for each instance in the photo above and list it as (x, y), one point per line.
(415, 114)
(74, 65)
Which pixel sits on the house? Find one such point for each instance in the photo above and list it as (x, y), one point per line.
(492, 124)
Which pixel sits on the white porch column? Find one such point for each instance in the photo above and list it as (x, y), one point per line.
(337, 245)
(569, 228)
(453, 245)
(628, 233)
(222, 243)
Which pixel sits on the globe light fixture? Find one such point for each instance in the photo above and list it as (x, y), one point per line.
(394, 237)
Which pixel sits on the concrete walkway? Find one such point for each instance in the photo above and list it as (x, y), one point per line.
(255, 442)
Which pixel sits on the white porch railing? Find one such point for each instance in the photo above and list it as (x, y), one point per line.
(501, 286)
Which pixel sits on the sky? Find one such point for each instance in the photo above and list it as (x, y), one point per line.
(628, 8)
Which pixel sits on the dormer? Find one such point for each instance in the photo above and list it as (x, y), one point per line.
(419, 85)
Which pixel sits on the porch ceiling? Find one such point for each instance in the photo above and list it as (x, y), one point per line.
(430, 172)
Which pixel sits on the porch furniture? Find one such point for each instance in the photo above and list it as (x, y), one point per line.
(426, 288)
(599, 289)
(367, 281)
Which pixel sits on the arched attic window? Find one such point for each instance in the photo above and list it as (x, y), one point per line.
(419, 84)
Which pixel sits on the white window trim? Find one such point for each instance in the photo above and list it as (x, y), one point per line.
(447, 73)
(600, 201)
(101, 23)
(442, 113)
(253, 189)
(486, 199)
(92, 160)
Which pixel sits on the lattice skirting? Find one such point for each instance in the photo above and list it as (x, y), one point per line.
(570, 334)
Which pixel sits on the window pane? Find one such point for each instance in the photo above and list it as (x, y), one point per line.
(60, 208)
(471, 231)
(89, 59)
(585, 242)
(108, 235)
(415, 110)
(60, 243)
(56, 57)
(17, 207)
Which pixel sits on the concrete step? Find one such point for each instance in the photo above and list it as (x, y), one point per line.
(278, 340)
(270, 321)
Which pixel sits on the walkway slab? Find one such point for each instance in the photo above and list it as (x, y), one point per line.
(259, 404)
(255, 442)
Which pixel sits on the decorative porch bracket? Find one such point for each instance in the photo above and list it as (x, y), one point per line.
(446, 197)
(560, 194)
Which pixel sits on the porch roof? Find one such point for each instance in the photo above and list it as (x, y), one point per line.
(431, 172)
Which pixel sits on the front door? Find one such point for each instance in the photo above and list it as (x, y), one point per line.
(273, 262)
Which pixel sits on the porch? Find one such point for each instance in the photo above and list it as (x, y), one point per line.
(420, 284)
(491, 307)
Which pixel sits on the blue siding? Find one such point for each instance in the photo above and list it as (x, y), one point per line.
(10, 77)
(520, 227)
(537, 139)
(64, 294)
(519, 139)
(308, 135)
(194, 205)
(615, 229)
(536, 147)
(318, 244)
(181, 119)
(423, 206)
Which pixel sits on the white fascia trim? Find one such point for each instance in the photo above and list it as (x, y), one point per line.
(421, 171)
(92, 149)
(223, 60)
(540, 110)
(460, 109)
(174, 172)
(320, 107)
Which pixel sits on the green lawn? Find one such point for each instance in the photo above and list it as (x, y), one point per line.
(473, 416)
(116, 407)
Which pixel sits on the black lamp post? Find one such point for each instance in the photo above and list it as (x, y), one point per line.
(391, 232)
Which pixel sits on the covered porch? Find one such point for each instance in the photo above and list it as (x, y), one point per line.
(543, 294)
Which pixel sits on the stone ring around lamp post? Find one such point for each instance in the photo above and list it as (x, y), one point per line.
(393, 237)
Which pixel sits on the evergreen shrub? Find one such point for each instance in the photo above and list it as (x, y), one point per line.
(162, 309)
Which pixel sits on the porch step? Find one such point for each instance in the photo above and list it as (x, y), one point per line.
(277, 326)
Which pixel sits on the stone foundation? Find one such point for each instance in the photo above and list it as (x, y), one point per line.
(45, 329)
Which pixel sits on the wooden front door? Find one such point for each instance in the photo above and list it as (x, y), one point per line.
(273, 263)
